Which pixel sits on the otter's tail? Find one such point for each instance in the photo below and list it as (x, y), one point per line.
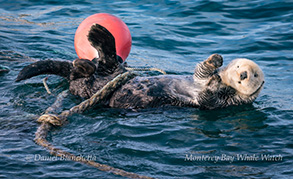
(61, 68)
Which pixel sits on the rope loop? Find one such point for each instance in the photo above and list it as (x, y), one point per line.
(47, 120)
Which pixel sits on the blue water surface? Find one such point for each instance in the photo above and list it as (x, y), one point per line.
(161, 143)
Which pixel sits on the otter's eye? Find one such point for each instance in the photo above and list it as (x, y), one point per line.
(255, 75)
(239, 82)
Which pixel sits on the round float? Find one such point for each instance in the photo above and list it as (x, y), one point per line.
(113, 24)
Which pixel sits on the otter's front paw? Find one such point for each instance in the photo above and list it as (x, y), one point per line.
(215, 60)
(82, 68)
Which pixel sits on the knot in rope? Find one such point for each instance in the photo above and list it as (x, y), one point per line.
(51, 119)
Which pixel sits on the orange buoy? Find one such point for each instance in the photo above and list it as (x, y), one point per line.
(113, 24)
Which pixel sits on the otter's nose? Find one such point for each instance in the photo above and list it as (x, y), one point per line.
(243, 75)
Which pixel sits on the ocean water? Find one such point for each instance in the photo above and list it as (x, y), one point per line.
(161, 143)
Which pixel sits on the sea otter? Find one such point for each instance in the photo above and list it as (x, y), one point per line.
(209, 87)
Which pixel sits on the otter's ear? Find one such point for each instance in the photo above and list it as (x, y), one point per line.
(82, 68)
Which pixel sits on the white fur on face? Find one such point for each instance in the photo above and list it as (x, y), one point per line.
(243, 75)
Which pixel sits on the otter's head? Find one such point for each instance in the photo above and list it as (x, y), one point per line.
(244, 75)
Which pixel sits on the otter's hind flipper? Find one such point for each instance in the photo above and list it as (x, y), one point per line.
(61, 68)
(102, 40)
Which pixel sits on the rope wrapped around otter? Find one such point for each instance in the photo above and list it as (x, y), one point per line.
(49, 120)
(146, 69)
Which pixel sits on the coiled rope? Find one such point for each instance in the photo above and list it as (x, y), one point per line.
(49, 120)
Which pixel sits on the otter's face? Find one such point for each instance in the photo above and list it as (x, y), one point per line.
(245, 76)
